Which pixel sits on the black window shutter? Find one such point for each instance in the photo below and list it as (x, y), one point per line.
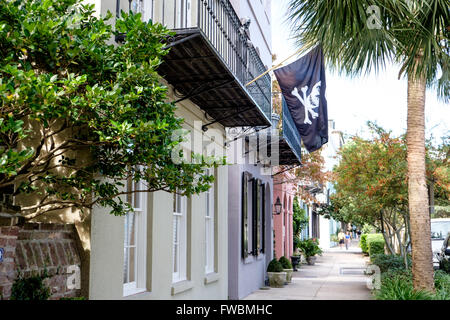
(255, 217)
(263, 217)
(244, 215)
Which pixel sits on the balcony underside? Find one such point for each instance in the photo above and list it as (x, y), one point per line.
(197, 72)
(287, 156)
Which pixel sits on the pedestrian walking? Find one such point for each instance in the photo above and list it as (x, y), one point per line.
(341, 238)
(347, 240)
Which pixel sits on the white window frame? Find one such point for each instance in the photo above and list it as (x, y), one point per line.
(179, 246)
(145, 7)
(140, 263)
(210, 227)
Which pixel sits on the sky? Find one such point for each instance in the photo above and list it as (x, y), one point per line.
(380, 98)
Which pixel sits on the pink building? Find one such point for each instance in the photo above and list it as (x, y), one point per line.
(284, 190)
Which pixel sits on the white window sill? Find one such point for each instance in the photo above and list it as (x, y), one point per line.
(212, 277)
(181, 286)
(132, 291)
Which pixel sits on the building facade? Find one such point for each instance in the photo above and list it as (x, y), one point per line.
(285, 191)
(174, 247)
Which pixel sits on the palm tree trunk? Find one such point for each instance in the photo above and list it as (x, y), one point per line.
(422, 260)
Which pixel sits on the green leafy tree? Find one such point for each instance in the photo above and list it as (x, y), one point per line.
(79, 114)
(371, 186)
(358, 36)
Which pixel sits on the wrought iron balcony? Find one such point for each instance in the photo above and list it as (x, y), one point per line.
(211, 59)
(290, 142)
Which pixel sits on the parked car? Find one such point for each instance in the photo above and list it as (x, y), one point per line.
(439, 230)
(444, 255)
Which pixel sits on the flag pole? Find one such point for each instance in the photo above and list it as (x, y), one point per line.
(274, 67)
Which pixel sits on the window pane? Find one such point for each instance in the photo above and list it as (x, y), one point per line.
(176, 229)
(175, 258)
(207, 204)
(132, 228)
(137, 196)
(125, 266)
(132, 266)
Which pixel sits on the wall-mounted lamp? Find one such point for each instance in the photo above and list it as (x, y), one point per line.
(277, 206)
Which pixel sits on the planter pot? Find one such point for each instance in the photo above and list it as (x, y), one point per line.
(311, 260)
(288, 275)
(277, 279)
(295, 261)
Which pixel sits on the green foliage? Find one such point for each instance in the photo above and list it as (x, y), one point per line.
(404, 31)
(363, 243)
(375, 243)
(442, 285)
(388, 262)
(309, 247)
(74, 298)
(61, 76)
(299, 218)
(285, 262)
(31, 288)
(445, 265)
(397, 285)
(367, 228)
(274, 266)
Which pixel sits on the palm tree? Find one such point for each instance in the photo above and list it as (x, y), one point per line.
(360, 36)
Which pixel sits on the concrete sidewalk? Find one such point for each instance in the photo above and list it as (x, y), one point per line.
(337, 275)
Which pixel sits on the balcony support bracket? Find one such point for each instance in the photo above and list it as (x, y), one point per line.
(200, 90)
(205, 127)
(173, 42)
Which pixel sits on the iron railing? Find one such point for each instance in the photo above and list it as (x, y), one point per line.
(290, 132)
(220, 24)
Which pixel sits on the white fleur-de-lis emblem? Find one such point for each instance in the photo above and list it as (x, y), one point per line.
(309, 102)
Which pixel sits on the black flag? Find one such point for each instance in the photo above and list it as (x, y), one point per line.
(303, 86)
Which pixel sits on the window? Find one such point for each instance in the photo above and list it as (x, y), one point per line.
(210, 242)
(182, 13)
(142, 6)
(179, 238)
(134, 272)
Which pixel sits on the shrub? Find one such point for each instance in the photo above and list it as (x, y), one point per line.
(309, 247)
(285, 263)
(442, 285)
(376, 247)
(388, 262)
(375, 243)
(397, 285)
(31, 288)
(363, 243)
(274, 266)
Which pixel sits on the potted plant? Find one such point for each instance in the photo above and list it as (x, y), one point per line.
(287, 267)
(310, 248)
(295, 259)
(277, 277)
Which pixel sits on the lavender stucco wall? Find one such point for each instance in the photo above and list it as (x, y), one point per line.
(244, 277)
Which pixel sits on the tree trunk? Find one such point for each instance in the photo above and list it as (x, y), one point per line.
(422, 260)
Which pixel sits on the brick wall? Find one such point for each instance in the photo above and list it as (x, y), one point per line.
(33, 247)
